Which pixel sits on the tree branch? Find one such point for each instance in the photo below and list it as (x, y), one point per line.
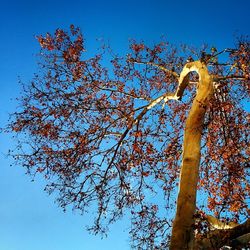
(175, 74)
(216, 223)
(220, 237)
(218, 78)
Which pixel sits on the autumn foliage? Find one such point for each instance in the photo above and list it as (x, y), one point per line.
(89, 125)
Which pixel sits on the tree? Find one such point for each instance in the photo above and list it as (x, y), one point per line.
(121, 137)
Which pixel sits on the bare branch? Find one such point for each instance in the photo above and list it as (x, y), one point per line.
(216, 223)
(175, 74)
(235, 77)
(221, 237)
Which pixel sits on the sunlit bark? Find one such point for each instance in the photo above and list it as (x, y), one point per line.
(234, 236)
(182, 233)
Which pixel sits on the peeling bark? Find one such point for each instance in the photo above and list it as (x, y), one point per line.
(182, 232)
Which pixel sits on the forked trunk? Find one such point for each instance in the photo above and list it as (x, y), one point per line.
(183, 231)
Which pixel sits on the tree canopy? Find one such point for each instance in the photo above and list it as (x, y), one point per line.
(106, 132)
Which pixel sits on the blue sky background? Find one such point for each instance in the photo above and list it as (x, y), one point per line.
(29, 219)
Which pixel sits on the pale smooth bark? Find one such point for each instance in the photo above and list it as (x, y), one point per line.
(183, 231)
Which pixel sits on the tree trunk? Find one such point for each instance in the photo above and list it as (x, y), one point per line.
(183, 232)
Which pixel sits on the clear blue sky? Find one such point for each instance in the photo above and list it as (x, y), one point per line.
(29, 219)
